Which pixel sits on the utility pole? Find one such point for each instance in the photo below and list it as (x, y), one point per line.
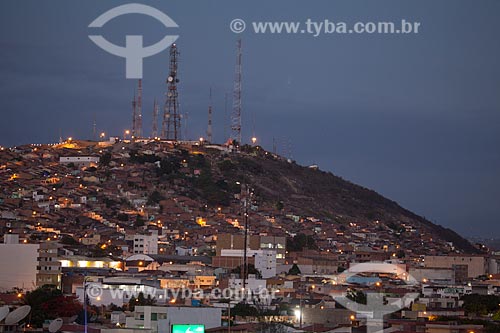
(245, 259)
(301, 311)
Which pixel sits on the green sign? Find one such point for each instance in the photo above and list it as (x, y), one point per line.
(188, 328)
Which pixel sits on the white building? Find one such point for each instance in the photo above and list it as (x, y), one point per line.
(254, 288)
(146, 244)
(433, 275)
(18, 264)
(184, 251)
(161, 319)
(79, 160)
(265, 260)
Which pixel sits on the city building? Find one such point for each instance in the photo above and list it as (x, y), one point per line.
(49, 267)
(18, 263)
(80, 160)
(161, 319)
(146, 244)
(263, 260)
(465, 266)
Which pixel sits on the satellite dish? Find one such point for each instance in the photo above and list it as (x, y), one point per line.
(4, 311)
(55, 325)
(17, 315)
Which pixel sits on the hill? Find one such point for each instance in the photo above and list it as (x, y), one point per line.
(309, 191)
(138, 183)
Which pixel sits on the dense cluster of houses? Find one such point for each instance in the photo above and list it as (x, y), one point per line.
(86, 216)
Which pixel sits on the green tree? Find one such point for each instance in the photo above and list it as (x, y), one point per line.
(140, 300)
(122, 217)
(154, 198)
(244, 310)
(227, 167)
(251, 270)
(294, 270)
(68, 240)
(105, 159)
(62, 306)
(357, 296)
(300, 242)
(481, 304)
(37, 300)
(139, 222)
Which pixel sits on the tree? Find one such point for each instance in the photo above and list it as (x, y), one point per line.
(68, 240)
(98, 252)
(294, 270)
(62, 306)
(251, 270)
(356, 296)
(139, 222)
(213, 192)
(154, 198)
(105, 159)
(227, 167)
(122, 217)
(141, 301)
(37, 300)
(301, 241)
(244, 310)
(168, 165)
(481, 304)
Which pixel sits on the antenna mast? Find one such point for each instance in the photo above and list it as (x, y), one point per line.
(209, 128)
(171, 125)
(94, 130)
(156, 110)
(236, 114)
(134, 115)
(137, 129)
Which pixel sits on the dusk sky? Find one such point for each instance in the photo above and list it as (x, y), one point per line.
(415, 117)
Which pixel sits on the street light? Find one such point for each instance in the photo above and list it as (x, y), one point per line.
(254, 140)
(85, 319)
(297, 314)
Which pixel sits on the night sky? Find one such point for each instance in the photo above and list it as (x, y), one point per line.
(414, 117)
